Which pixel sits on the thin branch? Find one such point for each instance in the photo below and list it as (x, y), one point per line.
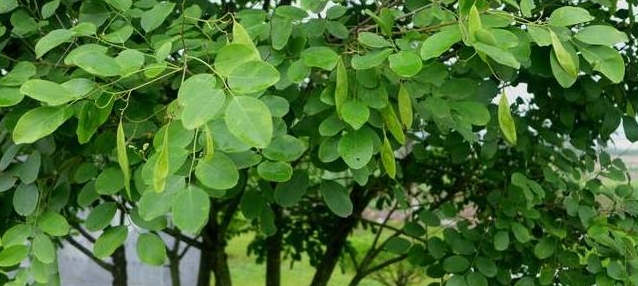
(386, 264)
(106, 266)
(188, 240)
(397, 230)
(83, 232)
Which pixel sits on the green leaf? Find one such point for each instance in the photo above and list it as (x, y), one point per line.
(505, 121)
(440, 42)
(475, 279)
(25, 199)
(233, 55)
(486, 266)
(298, 71)
(250, 121)
(98, 64)
(526, 8)
(110, 240)
(373, 40)
(501, 240)
(601, 35)
(52, 40)
(217, 172)
(630, 126)
(13, 255)
(336, 197)
(473, 112)
(387, 158)
(110, 181)
(338, 29)
(20, 73)
(8, 5)
(284, 148)
(43, 248)
(498, 55)
(521, 233)
(289, 193)
(119, 36)
(252, 77)
(101, 216)
(398, 245)
(122, 158)
(10, 96)
(606, 60)
(84, 29)
(151, 249)
(314, 6)
(370, 60)
(456, 280)
(252, 204)
(280, 31)
(341, 87)
(291, 12)
(336, 11)
(47, 91)
(274, 171)
(456, 264)
(53, 223)
(130, 61)
(121, 5)
(356, 148)
(200, 100)
(321, 57)
(153, 18)
(355, 113)
(16, 235)
(405, 64)
(190, 209)
(545, 248)
(569, 15)
(277, 105)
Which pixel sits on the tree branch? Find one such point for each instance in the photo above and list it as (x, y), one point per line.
(179, 236)
(106, 266)
(386, 263)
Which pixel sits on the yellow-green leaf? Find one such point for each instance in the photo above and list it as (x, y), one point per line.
(505, 120)
(122, 158)
(405, 107)
(473, 22)
(564, 57)
(387, 158)
(160, 170)
(392, 123)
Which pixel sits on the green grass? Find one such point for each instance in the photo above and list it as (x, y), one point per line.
(246, 272)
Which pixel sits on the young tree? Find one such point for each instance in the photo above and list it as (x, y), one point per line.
(175, 116)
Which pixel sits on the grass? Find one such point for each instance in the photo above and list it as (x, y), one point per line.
(246, 272)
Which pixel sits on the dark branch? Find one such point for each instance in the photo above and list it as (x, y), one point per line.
(87, 252)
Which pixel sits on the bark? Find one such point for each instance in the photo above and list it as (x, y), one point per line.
(118, 271)
(173, 264)
(360, 199)
(273, 251)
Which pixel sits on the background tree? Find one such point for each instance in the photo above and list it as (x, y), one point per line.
(176, 116)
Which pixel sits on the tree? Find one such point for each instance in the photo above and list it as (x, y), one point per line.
(175, 116)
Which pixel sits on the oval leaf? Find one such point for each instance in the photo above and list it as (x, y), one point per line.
(190, 209)
(250, 121)
(336, 197)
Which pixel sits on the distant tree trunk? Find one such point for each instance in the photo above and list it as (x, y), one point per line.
(273, 250)
(360, 198)
(205, 261)
(118, 271)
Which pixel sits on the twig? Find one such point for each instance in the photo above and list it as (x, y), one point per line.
(87, 252)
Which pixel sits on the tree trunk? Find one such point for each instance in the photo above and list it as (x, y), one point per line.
(119, 267)
(273, 250)
(173, 263)
(205, 259)
(360, 198)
